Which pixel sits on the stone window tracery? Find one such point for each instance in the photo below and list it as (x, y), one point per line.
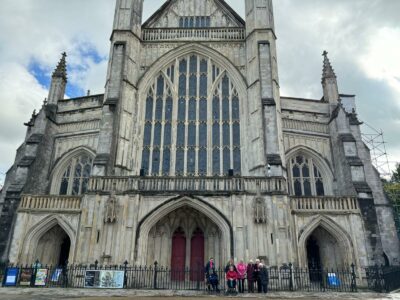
(75, 178)
(306, 177)
(194, 22)
(192, 121)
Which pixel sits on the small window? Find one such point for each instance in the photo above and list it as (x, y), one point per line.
(194, 22)
(306, 177)
(75, 178)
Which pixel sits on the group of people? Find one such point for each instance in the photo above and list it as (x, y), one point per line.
(256, 274)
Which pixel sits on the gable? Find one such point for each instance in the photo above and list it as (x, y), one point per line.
(217, 13)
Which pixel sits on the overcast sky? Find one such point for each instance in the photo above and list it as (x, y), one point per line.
(361, 36)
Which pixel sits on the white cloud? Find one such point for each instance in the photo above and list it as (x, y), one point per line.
(381, 60)
(363, 38)
(20, 94)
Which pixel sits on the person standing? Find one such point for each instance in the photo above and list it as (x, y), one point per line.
(231, 263)
(241, 270)
(257, 275)
(210, 267)
(209, 270)
(264, 278)
(250, 276)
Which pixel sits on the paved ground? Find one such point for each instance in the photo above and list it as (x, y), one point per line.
(80, 294)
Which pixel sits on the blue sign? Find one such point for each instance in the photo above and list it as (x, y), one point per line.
(333, 280)
(11, 277)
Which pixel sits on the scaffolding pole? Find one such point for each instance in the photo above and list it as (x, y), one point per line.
(375, 141)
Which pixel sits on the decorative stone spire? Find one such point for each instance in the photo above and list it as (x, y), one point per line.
(327, 71)
(61, 69)
(329, 82)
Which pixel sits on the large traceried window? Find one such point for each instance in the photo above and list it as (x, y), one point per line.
(75, 179)
(306, 178)
(192, 121)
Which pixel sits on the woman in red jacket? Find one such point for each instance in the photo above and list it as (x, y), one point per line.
(231, 278)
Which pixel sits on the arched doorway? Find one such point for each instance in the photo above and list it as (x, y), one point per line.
(197, 255)
(323, 251)
(178, 255)
(202, 238)
(53, 247)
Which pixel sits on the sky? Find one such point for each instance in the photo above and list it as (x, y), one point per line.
(361, 36)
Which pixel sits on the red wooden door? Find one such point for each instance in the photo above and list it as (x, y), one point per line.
(197, 255)
(178, 255)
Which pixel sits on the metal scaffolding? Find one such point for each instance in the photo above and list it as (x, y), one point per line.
(375, 141)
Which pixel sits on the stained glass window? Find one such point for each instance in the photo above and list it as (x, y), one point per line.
(75, 178)
(306, 177)
(187, 132)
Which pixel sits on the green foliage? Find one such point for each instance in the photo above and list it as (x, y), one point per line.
(396, 174)
(392, 188)
(393, 192)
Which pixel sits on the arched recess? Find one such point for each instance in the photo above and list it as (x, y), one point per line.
(343, 239)
(318, 161)
(151, 219)
(62, 164)
(36, 232)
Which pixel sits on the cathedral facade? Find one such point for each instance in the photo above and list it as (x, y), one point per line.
(192, 153)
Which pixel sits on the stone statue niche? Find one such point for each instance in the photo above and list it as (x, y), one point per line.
(110, 213)
(260, 210)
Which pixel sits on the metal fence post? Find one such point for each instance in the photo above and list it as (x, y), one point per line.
(155, 275)
(291, 277)
(65, 272)
(353, 279)
(125, 274)
(36, 265)
(378, 280)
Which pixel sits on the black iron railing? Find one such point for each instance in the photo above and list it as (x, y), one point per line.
(383, 279)
(285, 278)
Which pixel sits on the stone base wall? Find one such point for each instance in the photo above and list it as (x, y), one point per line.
(139, 229)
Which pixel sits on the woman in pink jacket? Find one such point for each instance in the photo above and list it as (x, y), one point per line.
(241, 270)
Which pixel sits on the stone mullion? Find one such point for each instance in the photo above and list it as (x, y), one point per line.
(153, 123)
(231, 125)
(71, 177)
(301, 177)
(160, 169)
(197, 122)
(210, 120)
(291, 179)
(312, 178)
(185, 147)
(174, 121)
(221, 131)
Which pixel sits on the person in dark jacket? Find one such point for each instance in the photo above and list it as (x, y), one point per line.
(231, 263)
(264, 278)
(256, 275)
(210, 267)
(214, 281)
(250, 276)
(209, 270)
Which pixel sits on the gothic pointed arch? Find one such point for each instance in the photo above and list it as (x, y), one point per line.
(164, 61)
(178, 94)
(36, 232)
(342, 239)
(308, 172)
(70, 174)
(149, 221)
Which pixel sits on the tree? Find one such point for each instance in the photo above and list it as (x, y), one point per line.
(396, 174)
(392, 190)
